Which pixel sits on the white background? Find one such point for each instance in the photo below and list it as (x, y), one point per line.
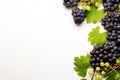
(39, 40)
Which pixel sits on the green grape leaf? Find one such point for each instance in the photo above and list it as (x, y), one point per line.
(94, 15)
(111, 76)
(82, 63)
(97, 38)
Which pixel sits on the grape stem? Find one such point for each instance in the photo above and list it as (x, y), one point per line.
(115, 70)
(112, 69)
(93, 74)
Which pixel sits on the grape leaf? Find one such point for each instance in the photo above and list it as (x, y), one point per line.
(97, 38)
(95, 15)
(82, 63)
(111, 76)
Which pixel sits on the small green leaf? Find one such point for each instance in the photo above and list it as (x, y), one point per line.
(111, 76)
(82, 63)
(94, 15)
(97, 38)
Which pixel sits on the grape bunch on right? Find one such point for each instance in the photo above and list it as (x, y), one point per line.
(106, 57)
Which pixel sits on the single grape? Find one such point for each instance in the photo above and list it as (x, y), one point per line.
(103, 73)
(97, 68)
(98, 77)
(107, 64)
(105, 68)
(97, 4)
(102, 64)
(90, 72)
(117, 61)
(88, 8)
(119, 6)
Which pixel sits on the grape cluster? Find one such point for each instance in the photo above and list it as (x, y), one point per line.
(111, 21)
(108, 54)
(105, 55)
(78, 15)
(70, 3)
(110, 5)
